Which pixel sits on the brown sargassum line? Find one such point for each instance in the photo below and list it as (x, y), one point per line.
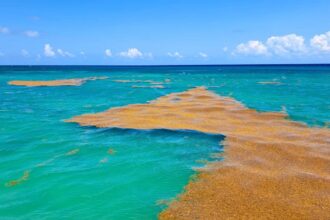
(273, 168)
(26, 174)
(58, 82)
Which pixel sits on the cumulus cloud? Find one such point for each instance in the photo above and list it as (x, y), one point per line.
(108, 52)
(175, 55)
(131, 53)
(61, 52)
(64, 53)
(49, 51)
(31, 33)
(321, 42)
(252, 47)
(287, 44)
(25, 53)
(4, 30)
(204, 55)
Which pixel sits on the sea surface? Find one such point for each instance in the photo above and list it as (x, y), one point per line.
(51, 169)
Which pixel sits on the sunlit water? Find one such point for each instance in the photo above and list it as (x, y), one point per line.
(89, 173)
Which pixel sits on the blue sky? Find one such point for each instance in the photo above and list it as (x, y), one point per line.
(128, 32)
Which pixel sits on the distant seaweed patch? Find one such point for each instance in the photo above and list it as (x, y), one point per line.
(273, 166)
(270, 83)
(26, 174)
(111, 151)
(72, 152)
(152, 84)
(136, 81)
(23, 178)
(59, 82)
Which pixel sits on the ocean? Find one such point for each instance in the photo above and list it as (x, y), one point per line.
(52, 169)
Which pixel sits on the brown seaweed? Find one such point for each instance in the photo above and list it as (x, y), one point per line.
(273, 168)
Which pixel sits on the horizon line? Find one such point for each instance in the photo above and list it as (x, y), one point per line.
(164, 65)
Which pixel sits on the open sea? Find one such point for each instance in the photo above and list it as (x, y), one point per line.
(51, 169)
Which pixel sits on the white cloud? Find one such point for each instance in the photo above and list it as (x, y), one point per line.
(31, 33)
(61, 52)
(82, 53)
(321, 42)
(108, 52)
(131, 53)
(204, 55)
(64, 53)
(287, 44)
(175, 55)
(148, 55)
(225, 49)
(252, 47)
(49, 51)
(25, 53)
(4, 30)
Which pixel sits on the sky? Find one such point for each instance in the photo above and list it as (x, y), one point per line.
(163, 32)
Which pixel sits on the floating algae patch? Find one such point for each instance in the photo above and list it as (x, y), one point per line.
(47, 162)
(72, 152)
(136, 81)
(111, 151)
(273, 167)
(23, 178)
(270, 83)
(104, 160)
(26, 174)
(151, 86)
(59, 82)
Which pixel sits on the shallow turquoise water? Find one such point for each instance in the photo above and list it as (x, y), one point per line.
(147, 166)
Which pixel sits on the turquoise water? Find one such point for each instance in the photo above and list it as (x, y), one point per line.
(71, 173)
